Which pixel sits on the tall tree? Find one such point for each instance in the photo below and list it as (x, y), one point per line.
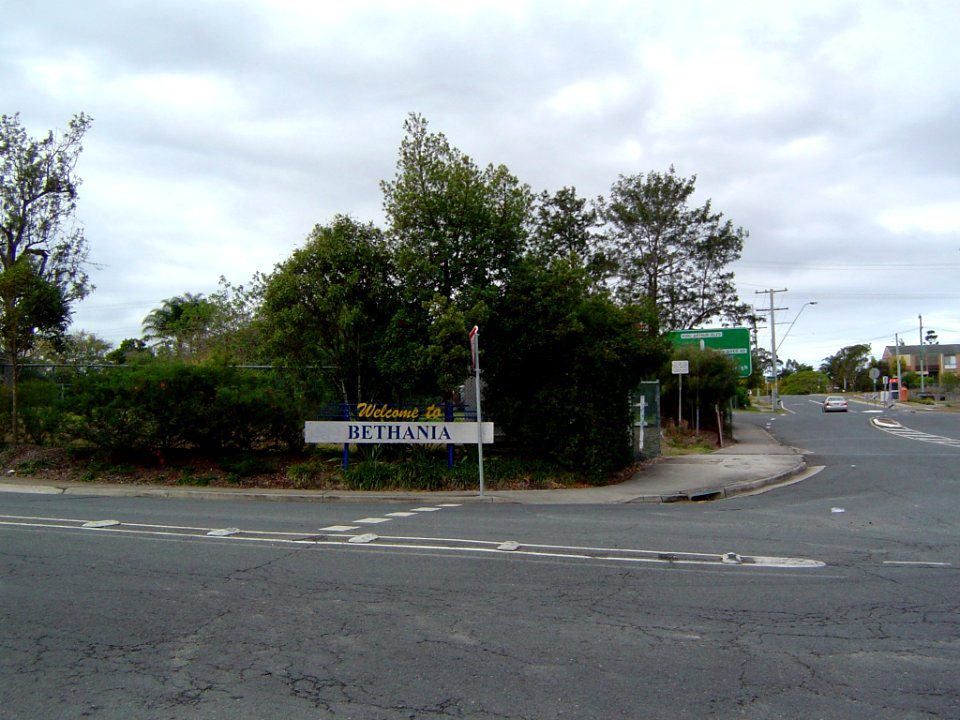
(845, 367)
(670, 253)
(565, 224)
(458, 230)
(235, 334)
(42, 251)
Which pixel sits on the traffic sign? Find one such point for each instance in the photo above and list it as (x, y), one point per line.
(734, 342)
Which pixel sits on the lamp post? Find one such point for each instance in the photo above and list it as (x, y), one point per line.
(811, 302)
(776, 347)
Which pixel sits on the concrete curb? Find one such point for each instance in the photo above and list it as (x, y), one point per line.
(667, 482)
(746, 486)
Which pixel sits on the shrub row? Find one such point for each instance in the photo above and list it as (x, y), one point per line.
(160, 406)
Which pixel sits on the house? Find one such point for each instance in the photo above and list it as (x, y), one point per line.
(936, 359)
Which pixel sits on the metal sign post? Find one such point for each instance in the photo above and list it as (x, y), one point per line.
(681, 368)
(475, 359)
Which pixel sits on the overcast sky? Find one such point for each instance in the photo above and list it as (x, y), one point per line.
(224, 130)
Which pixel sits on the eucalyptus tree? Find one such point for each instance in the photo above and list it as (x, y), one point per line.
(846, 366)
(671, 254)
(42, 249)
(235, 334)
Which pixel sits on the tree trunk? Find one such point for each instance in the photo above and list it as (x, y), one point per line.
(14, 377)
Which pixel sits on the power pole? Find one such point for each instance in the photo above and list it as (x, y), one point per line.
(773, 344)
(922, 353)
(896, 340)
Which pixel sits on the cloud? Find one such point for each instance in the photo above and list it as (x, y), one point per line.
(224, 130)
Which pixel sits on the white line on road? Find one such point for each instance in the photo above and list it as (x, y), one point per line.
(910, 434)
(452, 545)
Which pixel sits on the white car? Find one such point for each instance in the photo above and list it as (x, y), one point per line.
(835, 403)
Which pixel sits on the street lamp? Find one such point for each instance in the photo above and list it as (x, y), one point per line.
(775, 346)
(812, 302)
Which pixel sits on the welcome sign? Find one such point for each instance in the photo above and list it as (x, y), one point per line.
(343, 432)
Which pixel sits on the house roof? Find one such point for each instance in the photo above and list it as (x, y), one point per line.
(931, 350)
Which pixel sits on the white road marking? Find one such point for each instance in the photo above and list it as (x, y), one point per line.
(401, 514)
(96, 524)
(361, 539)
(930, 563)
(223, 532)
(426, 509)
(452, 545)
(338, 528)
(910, 434)
(372, 520)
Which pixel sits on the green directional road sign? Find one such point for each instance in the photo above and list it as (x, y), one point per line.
(735, 342)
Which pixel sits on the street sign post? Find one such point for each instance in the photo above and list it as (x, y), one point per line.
(680, 368)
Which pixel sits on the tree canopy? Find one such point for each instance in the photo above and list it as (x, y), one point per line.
(180, 325)
(671, 254)
(560, 361)
(42, 250)
(845, 367)
(457, 230)
(328, 305)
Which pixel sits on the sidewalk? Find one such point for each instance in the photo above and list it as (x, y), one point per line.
(755, 460)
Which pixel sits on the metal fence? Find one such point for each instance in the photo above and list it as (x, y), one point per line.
(645, 403)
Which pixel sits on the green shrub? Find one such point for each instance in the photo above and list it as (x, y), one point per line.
(165, 405)
(32, 467)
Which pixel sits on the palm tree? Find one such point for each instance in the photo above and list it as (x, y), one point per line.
(180, 325)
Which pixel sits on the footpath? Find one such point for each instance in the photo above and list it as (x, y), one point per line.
(753, 461)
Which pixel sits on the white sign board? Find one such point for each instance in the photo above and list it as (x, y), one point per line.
(341, 432)
(681, 367)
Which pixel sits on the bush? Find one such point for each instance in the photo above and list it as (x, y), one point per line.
(41, 418)
(165, 405)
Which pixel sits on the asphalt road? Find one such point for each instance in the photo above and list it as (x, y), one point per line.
(838, 599)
